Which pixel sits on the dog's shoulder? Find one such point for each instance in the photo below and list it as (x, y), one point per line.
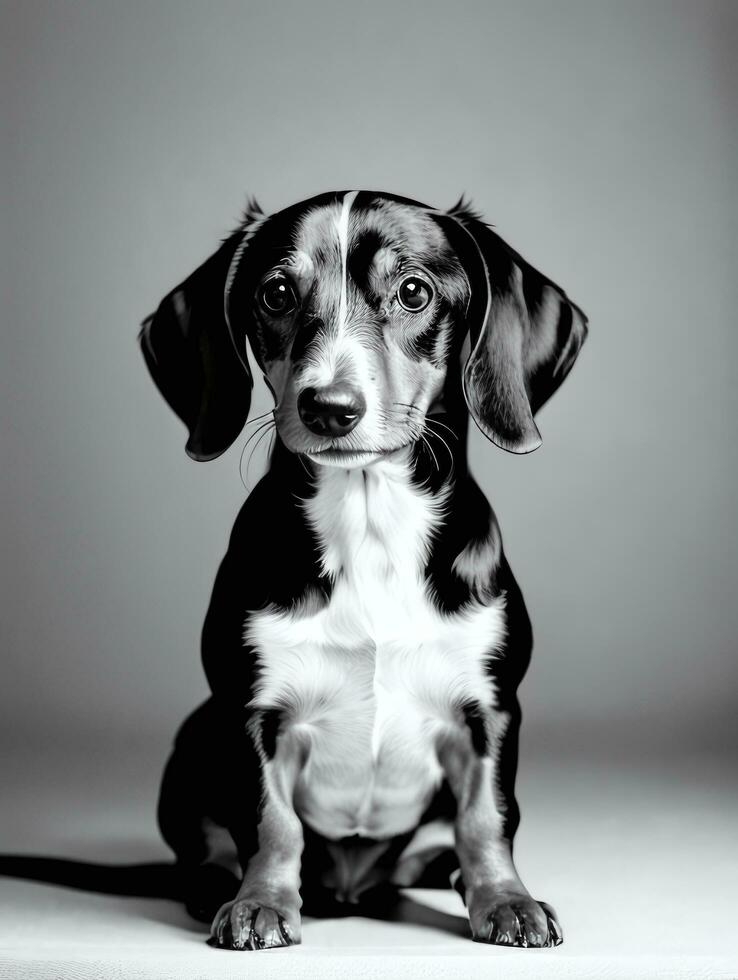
(467, 552)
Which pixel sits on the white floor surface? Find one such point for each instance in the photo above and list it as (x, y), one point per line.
(639, 859)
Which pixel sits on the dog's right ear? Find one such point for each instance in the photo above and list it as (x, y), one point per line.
(188, 349)
(524, 332)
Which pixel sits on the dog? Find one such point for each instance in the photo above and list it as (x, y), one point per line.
(366, 637)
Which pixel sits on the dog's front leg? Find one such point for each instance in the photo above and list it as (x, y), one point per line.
(501, 910)
(266, 911)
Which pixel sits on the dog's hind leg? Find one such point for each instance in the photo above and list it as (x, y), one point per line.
(198, 804)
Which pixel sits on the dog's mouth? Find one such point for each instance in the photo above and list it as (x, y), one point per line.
(351, 457)
(345, 457)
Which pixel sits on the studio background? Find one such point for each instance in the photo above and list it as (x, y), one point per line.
(600, 139)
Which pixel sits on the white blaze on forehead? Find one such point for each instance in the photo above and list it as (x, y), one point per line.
(342, 226)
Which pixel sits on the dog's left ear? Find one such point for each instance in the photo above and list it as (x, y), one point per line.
(189, 351)
(524, 332)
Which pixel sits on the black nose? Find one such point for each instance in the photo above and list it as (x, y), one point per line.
(331, 411)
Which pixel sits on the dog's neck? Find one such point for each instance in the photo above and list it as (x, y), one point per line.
(375, 523)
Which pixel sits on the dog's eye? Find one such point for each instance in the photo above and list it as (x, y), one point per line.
(414, 294)
(277, 297)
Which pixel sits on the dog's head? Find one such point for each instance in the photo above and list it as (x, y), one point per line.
(356, 306)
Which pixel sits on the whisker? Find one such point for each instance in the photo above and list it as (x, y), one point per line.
(266, 430)
(438, 436)
(412, 426)
(425, 425)
(301, 457)
(430, 449)
(260, 417)
(432, 421)
(254, 434)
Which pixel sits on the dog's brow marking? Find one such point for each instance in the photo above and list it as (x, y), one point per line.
(342, 228)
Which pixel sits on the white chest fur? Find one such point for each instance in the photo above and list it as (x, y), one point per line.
(372, 678)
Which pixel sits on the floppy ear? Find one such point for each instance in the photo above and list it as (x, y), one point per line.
(524, 333)
(188, 349)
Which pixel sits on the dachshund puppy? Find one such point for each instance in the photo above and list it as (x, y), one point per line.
(366, 636)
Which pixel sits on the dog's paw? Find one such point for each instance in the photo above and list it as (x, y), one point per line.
(516, 920)
(245, 924)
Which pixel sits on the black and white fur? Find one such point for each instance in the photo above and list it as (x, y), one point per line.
(366, 637)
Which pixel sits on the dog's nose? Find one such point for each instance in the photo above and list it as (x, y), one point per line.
(331, 411)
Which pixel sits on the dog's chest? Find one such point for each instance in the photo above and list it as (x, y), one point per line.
(371, 679)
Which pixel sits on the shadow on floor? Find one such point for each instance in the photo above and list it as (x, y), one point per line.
(160, 880)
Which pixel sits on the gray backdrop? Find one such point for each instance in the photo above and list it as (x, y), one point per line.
(600, 140)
